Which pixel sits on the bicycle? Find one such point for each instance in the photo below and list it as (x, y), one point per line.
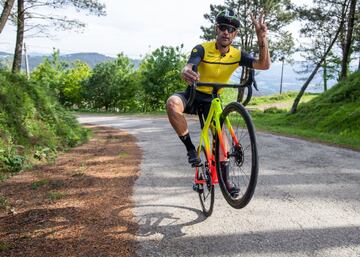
(239, 151)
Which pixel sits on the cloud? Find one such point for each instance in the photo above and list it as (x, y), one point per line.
(126, 28)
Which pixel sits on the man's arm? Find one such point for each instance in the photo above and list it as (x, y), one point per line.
(187, 73)
(263, 63)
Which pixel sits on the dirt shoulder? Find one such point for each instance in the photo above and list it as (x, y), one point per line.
(79, 206)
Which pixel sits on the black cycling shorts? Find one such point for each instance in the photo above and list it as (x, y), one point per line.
(201, 102)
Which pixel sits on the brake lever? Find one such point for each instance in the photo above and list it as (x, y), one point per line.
(252, 79)
(255, 85)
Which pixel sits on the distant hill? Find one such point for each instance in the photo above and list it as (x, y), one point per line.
(90, 58)
(4, 54)
(268, 81)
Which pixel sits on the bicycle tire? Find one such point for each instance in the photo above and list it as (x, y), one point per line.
(207, 194)
(243, 166)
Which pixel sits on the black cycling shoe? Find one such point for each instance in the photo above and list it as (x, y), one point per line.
(198, 188)
(193, 158)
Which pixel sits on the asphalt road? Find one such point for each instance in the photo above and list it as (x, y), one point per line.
(306, 203)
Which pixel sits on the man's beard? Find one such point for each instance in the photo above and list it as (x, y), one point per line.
(224, 45)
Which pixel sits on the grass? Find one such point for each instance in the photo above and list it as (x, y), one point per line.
(123, 155)
(5, 246)
(332, 117)
(54, 196)
(4, 175)
(35, 185)
(281, 123)
(78, 174)
(286, 99)
(4, 203)
(152, 113)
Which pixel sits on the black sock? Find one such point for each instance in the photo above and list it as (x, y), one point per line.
(187, 142)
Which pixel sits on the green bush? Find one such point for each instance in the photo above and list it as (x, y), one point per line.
(274, 110)
(112, 85)
(159, 76)
(64, 79)
(33, 125)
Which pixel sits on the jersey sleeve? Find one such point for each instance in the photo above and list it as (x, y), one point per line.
(246, 60)
(197, 54)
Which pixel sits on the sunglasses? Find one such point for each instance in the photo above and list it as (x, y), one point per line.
(224, 27)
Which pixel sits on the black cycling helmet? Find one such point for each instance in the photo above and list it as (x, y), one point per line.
(229, 17)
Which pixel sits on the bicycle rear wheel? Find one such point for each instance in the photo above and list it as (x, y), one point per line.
(241, 156)
(206, 190)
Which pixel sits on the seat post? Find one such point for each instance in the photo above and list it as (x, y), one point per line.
(215, 92)
(201, 117)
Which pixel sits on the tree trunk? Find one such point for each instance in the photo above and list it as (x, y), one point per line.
(348, 40)
(27, 69)
(307, 82)
(282, 74)
(5, 13)
(325, 75)
(19, 38)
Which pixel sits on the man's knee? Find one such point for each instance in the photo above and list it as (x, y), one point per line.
(174, 104)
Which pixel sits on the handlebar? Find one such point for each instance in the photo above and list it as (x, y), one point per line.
(216, 86)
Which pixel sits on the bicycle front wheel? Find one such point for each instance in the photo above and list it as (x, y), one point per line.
(237, 158)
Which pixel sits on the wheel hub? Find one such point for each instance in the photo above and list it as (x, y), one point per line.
(238, 154)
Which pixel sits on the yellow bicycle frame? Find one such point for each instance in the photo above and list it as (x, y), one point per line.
(213, 122)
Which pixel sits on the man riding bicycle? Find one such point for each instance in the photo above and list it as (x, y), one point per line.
(216, 61)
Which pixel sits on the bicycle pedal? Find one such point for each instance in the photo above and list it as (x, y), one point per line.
(194, 165)
(197, 188)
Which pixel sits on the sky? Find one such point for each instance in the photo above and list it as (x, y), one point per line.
(133, 27)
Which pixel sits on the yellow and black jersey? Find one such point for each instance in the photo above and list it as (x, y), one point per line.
(215, 67)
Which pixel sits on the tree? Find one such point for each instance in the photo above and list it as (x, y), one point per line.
(51, 72)
(357, 34)
(8, 5)
(19, 37)
(348, 39)
(111, 85)
(324, 18)
(42, 19)
(160, 76)
(333, 40)
(285, 48)
(319, 29)
(64, 79)
(312, 53)
(71, 84)
(278, 14)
